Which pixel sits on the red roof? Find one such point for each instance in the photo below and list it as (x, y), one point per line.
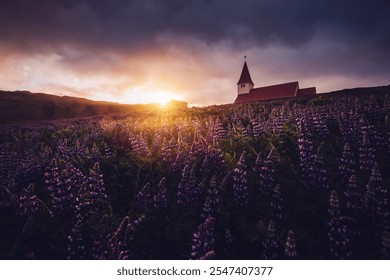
(245, 76)
(269, 92)
(307, 91)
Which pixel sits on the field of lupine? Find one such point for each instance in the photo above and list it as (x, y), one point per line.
(281, 180)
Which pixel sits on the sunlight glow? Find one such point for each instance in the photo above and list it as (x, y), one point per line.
(140, 96)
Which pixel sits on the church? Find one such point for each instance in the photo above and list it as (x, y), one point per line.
(246, 92)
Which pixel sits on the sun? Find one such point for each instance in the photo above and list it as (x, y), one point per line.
(145, 96)
(163, 97)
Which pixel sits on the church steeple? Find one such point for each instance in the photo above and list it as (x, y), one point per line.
(245, 84)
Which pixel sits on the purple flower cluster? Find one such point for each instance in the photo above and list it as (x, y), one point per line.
(290, 247)
(386, 245)
(338, 233)
(188, 191)
(118, 244)
(160, 200)
(203, 241)
(276, 205)
(240, 185)
(366, 154)
(28, 202)
(347, 166)
(306, 151)
(271, 244)
(144, 197)
(92, 195)
(267, 172)
(139, 145)
(213, 162)
(376, 200)
(353, 198)
(319, 176)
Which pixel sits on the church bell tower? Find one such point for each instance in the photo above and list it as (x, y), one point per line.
(245, 83)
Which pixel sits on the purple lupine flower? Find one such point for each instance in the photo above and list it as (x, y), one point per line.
(188, 192)
(114, 241)
(193, 189)
(204, 168)
(95, 178)
(267, 173)
(77, 248)
(258, 127)
(118, 244)
(338, 233)
(319, 123)
(28, 203)
(276, 205)
(139, 145)
(366, 154)
(208, 210)
(375, 199)
(332, 123)
(278, 123)
(203, 240)
(213, 162)
(219, 131)
(213, 192)
(160, 199)
(215, 130)
(92, 196)
(240, 185)
(388, 143)
(247, 132)
(306, 154)
(258, 164)
(168, 150)
(107, 153)
(216, 159)
(353, 198)
(347, 165)
(96, 155)
(348, 130)
(228, 238)
(63, 183)
(319, 176)
(374, 110)
(126, 243)
(386, 245)
(290, 247)
(334, 205)
(144, 197)
(197, 150)
(179, 163)
(271, 245)
(182, 195)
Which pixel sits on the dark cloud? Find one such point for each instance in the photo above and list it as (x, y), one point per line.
(118, 22)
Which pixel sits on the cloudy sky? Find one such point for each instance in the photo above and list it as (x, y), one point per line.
(137, 51)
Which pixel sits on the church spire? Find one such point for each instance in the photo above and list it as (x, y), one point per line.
(245, 83)
(245, 76)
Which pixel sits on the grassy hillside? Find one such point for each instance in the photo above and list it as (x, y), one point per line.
(24, 106)
(21, 106)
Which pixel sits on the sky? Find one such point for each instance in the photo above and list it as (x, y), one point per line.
(142, 51)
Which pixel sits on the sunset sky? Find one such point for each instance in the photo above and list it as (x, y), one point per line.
(140, 51)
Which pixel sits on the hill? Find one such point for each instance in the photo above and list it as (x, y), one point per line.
(359, 91)
(21, 106)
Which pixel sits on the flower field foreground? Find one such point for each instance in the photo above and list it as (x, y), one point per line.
(279, 180)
